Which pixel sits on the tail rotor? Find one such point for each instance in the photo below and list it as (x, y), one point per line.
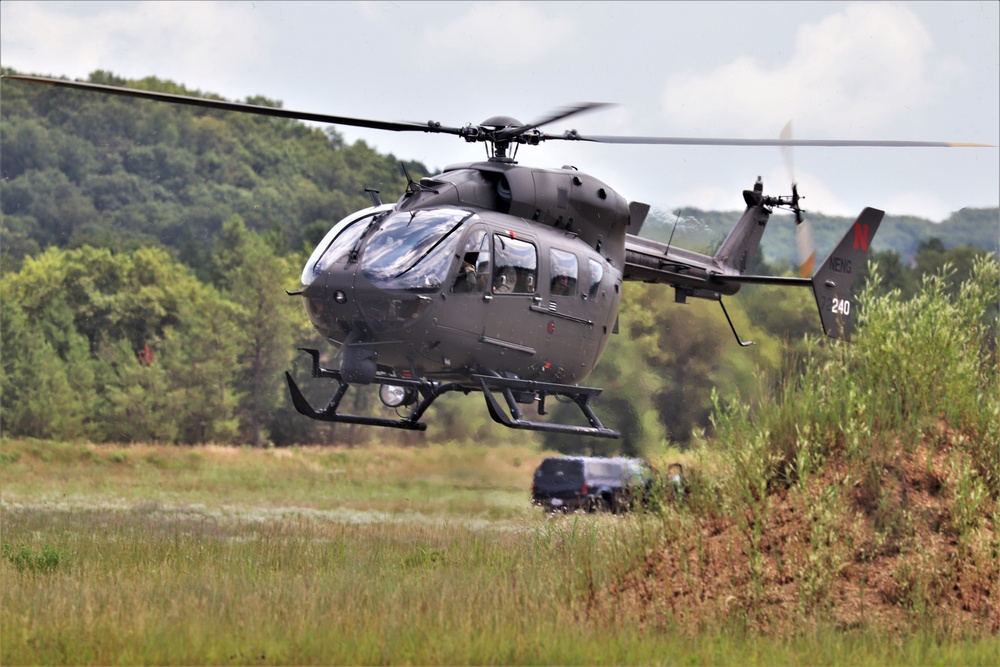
(804, 245)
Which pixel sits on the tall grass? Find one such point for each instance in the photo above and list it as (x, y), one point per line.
(916, 368)
(888, 447)
(139, 587)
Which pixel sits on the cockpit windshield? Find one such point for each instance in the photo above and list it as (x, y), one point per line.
(339, 242)
(413, 250)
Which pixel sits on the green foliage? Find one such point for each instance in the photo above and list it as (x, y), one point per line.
(81, 167)
(920, 371)
(26, 559)
(118, 347)
(915, 364)
(268, 320)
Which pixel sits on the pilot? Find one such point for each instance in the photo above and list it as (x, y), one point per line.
(561, 286)
(466, 279)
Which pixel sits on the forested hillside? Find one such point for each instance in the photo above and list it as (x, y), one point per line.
(903, 235)
(146, 250)
(82, 168)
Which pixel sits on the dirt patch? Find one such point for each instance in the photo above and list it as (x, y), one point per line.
(889, 547)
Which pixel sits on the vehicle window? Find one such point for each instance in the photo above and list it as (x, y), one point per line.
(515, 266)
(596, 276)
(563, 267)
(603, 469)
(564, 468)
(413, 250)
(474, 271)
(337, 244)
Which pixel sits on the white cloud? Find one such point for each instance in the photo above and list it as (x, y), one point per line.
(501, 33)
(852, 72)
(175, 40)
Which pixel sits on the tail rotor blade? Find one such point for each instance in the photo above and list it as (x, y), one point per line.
(805, 248)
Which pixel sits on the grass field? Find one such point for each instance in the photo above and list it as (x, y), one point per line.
(424, 555)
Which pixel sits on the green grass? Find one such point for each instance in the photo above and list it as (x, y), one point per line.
(167, 555)
(138, 587)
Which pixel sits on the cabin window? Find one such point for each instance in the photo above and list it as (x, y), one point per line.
(596, 277)
(563, 267)
(515, 266)
(474, 269)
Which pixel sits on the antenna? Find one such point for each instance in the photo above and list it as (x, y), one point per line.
(676, 220)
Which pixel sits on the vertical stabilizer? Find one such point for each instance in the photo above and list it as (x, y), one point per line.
(737, 252)
(833, 283)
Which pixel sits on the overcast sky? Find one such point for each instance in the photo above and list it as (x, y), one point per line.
(841, 70)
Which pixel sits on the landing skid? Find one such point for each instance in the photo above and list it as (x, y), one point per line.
(514, 390)
(507, 386)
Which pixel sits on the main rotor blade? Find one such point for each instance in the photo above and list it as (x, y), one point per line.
(511, 132)
(709, 141)
(240, 107)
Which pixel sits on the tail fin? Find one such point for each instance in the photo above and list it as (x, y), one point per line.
(738, 250)
(833, 283)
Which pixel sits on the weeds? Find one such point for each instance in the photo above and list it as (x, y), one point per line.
(26, 559)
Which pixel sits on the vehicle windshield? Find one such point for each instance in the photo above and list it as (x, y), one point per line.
(413, 250)
(339, 242)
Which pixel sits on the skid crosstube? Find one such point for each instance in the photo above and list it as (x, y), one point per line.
(430, 391)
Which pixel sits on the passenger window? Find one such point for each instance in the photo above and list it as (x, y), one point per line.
(596, 276)
(563, 269)
(474, 271)
(515, 266)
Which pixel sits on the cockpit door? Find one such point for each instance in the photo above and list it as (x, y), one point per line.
(511, 326)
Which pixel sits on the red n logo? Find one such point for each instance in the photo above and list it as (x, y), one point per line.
(860, 236)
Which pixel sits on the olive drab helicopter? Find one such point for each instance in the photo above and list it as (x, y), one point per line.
(506, 280)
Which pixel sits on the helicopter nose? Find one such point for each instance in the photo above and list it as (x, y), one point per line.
(344, 304)
(385, 310)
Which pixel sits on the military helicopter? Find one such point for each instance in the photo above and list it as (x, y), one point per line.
(504, 279)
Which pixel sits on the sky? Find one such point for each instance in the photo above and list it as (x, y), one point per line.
(922, 71)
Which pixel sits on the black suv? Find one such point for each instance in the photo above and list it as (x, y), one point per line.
(591, 483)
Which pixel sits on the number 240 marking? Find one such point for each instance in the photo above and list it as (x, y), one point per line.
(841, 306)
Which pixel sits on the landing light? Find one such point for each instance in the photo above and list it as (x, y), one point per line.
(394, 396)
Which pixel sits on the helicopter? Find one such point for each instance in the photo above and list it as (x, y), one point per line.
(506, 280)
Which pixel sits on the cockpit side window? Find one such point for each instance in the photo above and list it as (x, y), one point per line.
(564, 272)
(596, 276)
(515, 269)
(474, 272)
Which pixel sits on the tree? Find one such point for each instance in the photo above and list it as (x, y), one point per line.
(48, 392)
(125, 346)
(254, 276)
